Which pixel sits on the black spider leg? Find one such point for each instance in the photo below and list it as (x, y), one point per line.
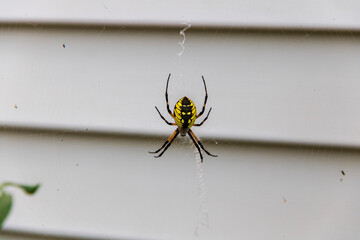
(163, 118)
(206, 97)
(191, 133)
(196, 145)
(167, 98)
(167, 143)
(199, 124)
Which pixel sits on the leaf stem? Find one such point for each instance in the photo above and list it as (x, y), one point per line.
(26, 188)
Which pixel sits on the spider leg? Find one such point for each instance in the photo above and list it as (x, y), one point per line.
(196, 145)
(206, 97)
(164, 117)
(166, 97)
(199, 124)
(191, 133)
(167, 144)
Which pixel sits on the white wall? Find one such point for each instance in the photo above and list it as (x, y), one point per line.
(263, 86)
(90, 110)
(281, 14)
(110, 186)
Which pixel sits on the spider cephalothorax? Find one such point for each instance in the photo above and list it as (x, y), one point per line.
(184, 116)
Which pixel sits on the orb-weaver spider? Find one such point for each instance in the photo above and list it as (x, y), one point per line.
(184, 115)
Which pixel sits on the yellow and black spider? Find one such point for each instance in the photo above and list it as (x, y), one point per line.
(184, 116)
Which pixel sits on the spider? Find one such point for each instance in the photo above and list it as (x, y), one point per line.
(184, 115)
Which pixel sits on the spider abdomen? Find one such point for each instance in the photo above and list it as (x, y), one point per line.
(185, 113)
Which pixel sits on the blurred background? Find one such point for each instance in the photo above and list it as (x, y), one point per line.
(78, 85)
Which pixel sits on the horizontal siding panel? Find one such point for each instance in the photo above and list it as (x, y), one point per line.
(295, 87)
(230, 13)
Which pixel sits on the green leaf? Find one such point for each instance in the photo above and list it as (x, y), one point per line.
(29, 189)
(5, 206)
